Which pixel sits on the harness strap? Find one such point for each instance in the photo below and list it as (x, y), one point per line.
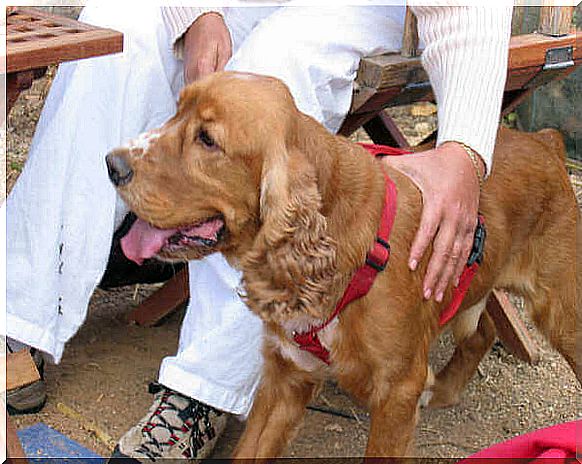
(377, 259)
(475, 259)
(363, 279)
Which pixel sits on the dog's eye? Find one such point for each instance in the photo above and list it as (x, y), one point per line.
(205, 139)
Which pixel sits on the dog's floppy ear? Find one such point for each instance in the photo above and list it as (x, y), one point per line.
(292, 266)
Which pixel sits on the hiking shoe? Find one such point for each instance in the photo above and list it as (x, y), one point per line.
(31, 398)
(175, 427)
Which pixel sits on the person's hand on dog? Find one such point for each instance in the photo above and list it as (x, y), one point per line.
(207, 47)
(449, 185)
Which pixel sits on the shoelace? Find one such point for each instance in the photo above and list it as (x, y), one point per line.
(202, 412)
(192, 415)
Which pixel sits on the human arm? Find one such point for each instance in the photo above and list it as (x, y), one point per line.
(200, 37)
(466, 60)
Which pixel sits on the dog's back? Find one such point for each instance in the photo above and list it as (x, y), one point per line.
(536, 240)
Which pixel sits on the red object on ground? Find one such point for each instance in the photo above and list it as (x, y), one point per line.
(552, 445)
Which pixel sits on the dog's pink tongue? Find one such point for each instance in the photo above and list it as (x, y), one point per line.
(143, 241)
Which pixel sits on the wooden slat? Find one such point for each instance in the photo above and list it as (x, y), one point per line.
(14, 452)
(529, 50)
(17, 36)
(53, 40)
(518, 78)
(390, 70)
(31, 16)
(384, 131)
(510, 328)
(163, 301)
(28, 55)
(377, 100)
(20, 370)
(526, 51)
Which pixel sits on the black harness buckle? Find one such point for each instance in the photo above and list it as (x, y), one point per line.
(476, 255)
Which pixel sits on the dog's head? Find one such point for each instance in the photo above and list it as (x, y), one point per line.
(227, 174)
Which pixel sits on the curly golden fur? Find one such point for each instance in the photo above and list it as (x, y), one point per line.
(301, 208)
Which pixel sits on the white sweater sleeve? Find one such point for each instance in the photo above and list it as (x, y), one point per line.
(466, 59)
(178, 19)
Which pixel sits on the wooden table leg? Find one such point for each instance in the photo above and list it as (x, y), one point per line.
(19, 81)
(14, 452)
(510, 328)
(383, 130)
(163, 301)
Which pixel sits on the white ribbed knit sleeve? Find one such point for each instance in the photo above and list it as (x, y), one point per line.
(466, 59)
(178, 19)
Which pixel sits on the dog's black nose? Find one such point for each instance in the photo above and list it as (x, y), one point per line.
(119, 169)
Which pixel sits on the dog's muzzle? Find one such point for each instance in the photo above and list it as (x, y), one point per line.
(119, 169)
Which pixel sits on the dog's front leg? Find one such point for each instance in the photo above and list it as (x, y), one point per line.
(394, 416)
(278, 409)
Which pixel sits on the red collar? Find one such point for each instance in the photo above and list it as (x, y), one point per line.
(377, 259)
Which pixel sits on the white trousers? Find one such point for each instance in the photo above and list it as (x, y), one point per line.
(61, 214)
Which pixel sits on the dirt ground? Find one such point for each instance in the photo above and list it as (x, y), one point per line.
(109, 363)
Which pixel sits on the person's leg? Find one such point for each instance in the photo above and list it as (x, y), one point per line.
(218, 361)
(60, 215)
(316, 51)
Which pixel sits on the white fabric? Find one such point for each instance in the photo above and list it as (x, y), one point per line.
(62, 212)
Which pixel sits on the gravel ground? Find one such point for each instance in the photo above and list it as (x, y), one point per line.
(107, 365)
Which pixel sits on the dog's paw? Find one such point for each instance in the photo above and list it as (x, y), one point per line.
(441, 398)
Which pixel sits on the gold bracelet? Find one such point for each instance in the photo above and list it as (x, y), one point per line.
(474, 157)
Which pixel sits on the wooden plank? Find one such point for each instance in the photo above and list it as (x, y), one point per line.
(529, 50)
(14, 452)
(17, 36)
(165, 300)
(526, 51)
(384, 131)
(390, 70)
(510, 328)
(354, 121)
(518, 78)
(28, 55)
(20, 370)
(360, 96)
(18, 82)
(378, 100)
(32, 16)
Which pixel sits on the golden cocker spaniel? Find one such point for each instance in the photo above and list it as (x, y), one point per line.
(239, 170)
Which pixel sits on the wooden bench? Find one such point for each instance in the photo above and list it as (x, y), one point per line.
(396, 79)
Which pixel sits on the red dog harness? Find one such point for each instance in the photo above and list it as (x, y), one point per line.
(377, 259)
